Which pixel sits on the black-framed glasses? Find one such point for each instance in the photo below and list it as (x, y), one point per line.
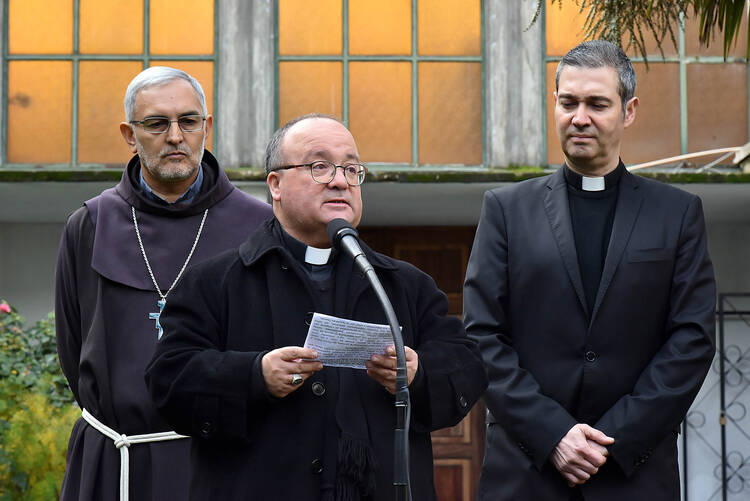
(323, 171)
(160, 125)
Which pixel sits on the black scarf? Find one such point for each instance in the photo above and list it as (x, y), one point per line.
(347, 438)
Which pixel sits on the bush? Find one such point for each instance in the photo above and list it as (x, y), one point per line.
(32, 452)
(28, 357)
(37, 409)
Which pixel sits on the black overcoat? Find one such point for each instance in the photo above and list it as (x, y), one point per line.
(206, 374)
(103, 297)
(630, 368)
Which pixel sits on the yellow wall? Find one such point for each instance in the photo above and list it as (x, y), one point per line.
(380, 92)
(40, 92)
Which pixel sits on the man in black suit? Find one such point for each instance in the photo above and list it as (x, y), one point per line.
(592, 296)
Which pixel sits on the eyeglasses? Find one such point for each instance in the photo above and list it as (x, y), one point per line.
(160, 125)
(324, 171)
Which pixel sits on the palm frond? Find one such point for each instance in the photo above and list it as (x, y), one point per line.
(634, 20)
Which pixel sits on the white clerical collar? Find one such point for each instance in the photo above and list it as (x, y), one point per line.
(592, 183)
(313, 255)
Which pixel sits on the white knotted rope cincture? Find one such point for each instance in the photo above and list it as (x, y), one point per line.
(123, 442)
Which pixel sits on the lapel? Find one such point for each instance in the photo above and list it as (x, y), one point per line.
(290, 299)
(558, 213)
(629, 201)
(288, 286)
(351, 282)
(290, 295)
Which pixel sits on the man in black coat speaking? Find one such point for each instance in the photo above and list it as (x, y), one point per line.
(591, 294)
(230, 369)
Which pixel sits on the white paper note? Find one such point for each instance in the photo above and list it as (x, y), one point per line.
(346, 343)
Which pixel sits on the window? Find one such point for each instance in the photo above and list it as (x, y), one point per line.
(67, 64)
(405, 75)
(690, 100)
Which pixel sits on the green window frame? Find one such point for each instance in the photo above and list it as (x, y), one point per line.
(145, 57)
(414, 58)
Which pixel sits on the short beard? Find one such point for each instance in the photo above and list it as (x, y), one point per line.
(152, 162)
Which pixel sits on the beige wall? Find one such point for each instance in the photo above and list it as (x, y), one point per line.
(28, 253)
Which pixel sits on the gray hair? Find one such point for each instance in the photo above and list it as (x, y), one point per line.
(155, 76)
(274, 158)
(597, 54)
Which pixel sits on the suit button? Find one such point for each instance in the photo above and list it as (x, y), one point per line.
(462, 401)
(318, 389)
(309, 317)
(316, 466)
(590, 356)
(206, 429)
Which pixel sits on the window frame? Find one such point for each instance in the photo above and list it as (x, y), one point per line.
(414, 59)
(75, 57)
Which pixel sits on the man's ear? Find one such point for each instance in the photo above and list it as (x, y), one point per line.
(209, 124)
(630, 111)
(274, 180)
(129, 135)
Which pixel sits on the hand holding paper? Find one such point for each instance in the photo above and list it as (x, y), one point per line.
(359, 345)
(346, 343)
(382, 368)
(282, 364)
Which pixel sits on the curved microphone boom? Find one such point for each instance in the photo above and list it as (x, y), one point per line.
(344, 237)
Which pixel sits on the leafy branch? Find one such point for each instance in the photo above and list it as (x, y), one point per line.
(614, 20)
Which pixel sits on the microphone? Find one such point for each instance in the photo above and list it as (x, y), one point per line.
(344, 237)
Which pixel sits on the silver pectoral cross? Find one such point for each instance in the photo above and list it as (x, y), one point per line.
(155, 316)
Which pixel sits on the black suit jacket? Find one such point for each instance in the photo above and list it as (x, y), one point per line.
(631, 371)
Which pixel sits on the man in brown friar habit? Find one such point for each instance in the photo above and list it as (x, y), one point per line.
(120, 256)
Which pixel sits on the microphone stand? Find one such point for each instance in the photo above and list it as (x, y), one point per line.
(403, 406)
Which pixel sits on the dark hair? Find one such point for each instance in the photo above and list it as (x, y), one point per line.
(274, 157)
(597, 54)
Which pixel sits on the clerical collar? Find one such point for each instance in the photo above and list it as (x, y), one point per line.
(586, 183)
(313, 255)
(305, 253)
(186, 197)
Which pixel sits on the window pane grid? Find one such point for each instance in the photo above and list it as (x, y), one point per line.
(145, 58)
(476, 59)
(108, 57)
(682, 59)
(414, 58)
(672, 59)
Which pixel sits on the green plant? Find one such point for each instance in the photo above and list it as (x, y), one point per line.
(28, 357)
(612, 20)
(32, 451)
(37, 409)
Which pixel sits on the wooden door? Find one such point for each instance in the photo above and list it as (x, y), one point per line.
(442, 252)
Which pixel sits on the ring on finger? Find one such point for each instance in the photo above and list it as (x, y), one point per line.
(296, 380)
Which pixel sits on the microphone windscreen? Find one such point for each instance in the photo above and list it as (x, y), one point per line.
(335, 232)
